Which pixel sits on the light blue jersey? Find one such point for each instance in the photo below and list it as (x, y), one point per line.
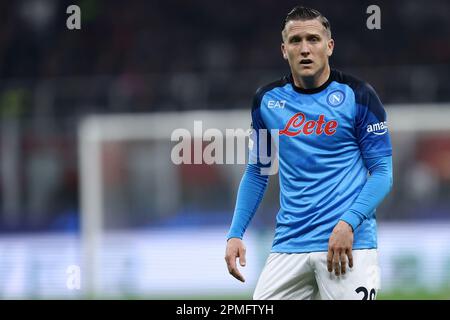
(329, 139)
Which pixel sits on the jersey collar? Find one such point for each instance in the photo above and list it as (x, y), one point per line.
(312, 90)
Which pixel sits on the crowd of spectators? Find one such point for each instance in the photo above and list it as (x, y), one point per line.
(159, 55)
(171, 55)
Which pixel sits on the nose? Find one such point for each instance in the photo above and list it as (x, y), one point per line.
(304, 49)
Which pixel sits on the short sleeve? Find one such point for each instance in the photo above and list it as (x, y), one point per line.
(371, 124)
(260, 139)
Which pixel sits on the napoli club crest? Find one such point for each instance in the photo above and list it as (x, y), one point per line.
(335, 98)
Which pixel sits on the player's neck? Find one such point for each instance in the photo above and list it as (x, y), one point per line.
(314, 81)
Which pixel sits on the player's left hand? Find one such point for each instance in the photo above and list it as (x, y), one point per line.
(339, 246)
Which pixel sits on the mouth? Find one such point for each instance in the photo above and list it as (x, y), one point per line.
(306, 62)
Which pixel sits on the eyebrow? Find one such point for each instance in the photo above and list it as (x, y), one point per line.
(308, 35)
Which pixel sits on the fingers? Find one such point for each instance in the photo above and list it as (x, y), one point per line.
(343, 261)
(337, 260)
(242, 260)
(350, 258)
(230, 258)
(336, 266)
(330, 260)
(232, 268)
(339, 247)
(235, 273)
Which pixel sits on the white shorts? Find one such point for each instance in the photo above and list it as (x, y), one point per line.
(304, 276)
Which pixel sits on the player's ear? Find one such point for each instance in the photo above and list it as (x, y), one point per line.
(330, 47)
(283, 51)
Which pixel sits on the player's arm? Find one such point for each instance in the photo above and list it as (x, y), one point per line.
(376, 150)
(373, 192)
(376, 188)
(375, 146)
(250, 193)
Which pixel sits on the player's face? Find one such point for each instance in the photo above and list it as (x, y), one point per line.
(307, 47)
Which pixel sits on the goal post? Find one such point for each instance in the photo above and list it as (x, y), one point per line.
(97, 129)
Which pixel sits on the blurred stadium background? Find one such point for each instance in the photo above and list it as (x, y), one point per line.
(86, 116)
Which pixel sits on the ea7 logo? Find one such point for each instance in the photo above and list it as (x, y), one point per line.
(379, 128)
(276, 104)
